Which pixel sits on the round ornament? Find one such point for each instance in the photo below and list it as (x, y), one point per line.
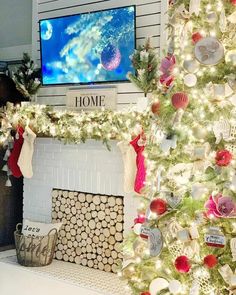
(210, 261)
(155, 107)
(232, 82)
(233, 2)
(145, 293)
(175, 287)
(137, 228)
(190, 80)
(209, 51)
(196, 37)
(212, 17)
(157, 285)
(230, 56)
(158, 206)
(182, 264)
(191, 66)
(180, 100)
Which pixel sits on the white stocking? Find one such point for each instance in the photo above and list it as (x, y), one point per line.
(26, 154)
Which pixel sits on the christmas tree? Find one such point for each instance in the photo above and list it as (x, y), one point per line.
(27, 77)
(184, 238)
(145, 63)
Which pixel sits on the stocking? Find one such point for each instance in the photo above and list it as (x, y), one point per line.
(25, 158)
(130, 169)
(13, 158)
(141, 170)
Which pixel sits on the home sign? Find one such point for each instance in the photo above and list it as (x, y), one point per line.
(92, 98)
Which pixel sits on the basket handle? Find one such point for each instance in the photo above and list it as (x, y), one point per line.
(52, 231)
(19, 227)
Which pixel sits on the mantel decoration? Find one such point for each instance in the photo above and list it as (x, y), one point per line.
(27, 78)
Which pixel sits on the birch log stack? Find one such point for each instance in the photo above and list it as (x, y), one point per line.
(92, 230)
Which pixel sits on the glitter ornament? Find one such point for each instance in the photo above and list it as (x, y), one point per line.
(196, 37)
(182, 264)
(180, 100)
(155, 107)
(191, 66)
(210, 261)
(158, 206)
(145, 293)
(175, 287)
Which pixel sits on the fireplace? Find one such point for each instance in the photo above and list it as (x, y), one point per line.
(88, 172)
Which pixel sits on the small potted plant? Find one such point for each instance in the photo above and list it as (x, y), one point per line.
(145, 63)
(27, 78)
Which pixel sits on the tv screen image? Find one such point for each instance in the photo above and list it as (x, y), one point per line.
(88, 48)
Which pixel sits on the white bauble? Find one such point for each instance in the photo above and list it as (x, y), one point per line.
(190, 80)
(231, 56)
(158, 285)
(137, 228)
(175, 287)
(212, 17)
(191, 66)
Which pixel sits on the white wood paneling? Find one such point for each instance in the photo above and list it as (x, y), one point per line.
(150, 22)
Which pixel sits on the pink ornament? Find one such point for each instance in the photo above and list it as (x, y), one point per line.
(140, 219)
(180, 100)
(220, 206)
(233, 2)
(167, 67)
(182, 264)
(223, 158)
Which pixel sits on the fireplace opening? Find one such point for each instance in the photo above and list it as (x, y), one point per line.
(93, 228)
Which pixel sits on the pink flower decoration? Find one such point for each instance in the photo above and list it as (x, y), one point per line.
(140, 219)
(220, 206)
(167, 67)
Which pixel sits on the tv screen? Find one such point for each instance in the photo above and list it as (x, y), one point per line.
(88, 48)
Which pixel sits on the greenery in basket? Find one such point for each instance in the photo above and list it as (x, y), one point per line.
(27, 77)
(145, 63)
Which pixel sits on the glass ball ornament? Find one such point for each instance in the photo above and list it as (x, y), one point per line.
(157, 285)
(190, 80)
(175, 287)
(191, 66)
(212, 17)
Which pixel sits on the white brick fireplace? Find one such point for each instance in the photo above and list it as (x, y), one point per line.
(86, 167)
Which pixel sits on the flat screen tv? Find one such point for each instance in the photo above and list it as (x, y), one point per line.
(88, 48)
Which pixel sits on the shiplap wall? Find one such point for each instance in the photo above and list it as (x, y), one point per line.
(150, 22)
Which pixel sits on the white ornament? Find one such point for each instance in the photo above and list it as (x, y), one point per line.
(231, 56)
(137, 228)
(168, 143)
(194, 7)
(191, 66)
(221, 130)
(193, 231)
(233, 100)
(212, 17)
(198, 191)
(219, 91)
(209, 51)
(180, 173)
(233, 248)
(175, 287)
(232, 18)
(183, 235)
(232, 82)
(223, 21)
(157, 285)
(190, 80)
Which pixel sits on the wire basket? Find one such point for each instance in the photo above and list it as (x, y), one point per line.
(35, 251)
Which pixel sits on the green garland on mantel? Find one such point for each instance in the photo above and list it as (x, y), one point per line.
(74, 127)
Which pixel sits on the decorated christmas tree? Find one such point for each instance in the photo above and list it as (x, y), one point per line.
(184, 237)
(27, 77)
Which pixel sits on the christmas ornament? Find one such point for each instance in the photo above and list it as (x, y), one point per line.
(232, 82)
(183, 235)
(145, 232)
(218, 91)
(220, 206)
(209, 51)
(155, 107)
(180, 100)
(229, 277)
(145, 293)
(155, 242)
(223, 158)
(157, 285)
(215, 238)
(194, 7)
(172, 200)
(167, 67)
(233, 248)
(182, 264)
(191, 66)
(196, 37)
(180, 173)
(167, 143)
(110, 57)
(233, 2)
(232, 18)
(175, 287)
(158, 206)
(137, 228)
(230, 56)
(202, 278)
(193, 231)
(212, 17)
(221, 130)
(210, 261)
(190, 80)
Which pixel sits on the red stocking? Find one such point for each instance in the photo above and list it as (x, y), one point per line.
(15, 153)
